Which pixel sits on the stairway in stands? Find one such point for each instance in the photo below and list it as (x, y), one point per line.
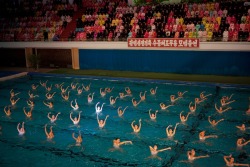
(71, 26)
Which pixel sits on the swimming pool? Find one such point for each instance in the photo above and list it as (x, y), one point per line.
(34, 149)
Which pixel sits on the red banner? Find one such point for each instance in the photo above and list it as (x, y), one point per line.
(164, 42)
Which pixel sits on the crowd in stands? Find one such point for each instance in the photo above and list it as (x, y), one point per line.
(115, 20)
(34, 20)
(211, 21)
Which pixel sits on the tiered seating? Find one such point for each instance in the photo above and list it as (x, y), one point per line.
(206, 21)
(114, 20)
(43, 20)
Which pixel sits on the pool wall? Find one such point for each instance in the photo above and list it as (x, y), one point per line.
(216, 58)
(187, 62)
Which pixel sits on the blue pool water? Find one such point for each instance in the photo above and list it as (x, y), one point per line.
(33, 149)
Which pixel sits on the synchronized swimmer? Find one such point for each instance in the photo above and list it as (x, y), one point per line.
(98, 109)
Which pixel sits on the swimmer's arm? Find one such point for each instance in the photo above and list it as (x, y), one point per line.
(66, 88)
(79, 117)
(45, 103)
(220, 121)
(164, 149)
(25, 111)
(17, 100)
(5, 109)
(226, 158)
(209, 120)
(106, 119)
(180, 115)
(18, 127)
(45, 130)
(188, 115)
(102, 105)
(57, 114)
(156, 112)
(48, 116)
(175, 127)
(132, 124)
(139, 124)
(70, 116)
(231, 96)
(229, 108)
(149, 112)
(167, 129)
(125, 142)
(73, 136)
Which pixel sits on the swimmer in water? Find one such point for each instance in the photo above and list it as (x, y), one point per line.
(21, 130)
(226, 98)
(98, 109)
(13, 101)
(220, 110)
(31, 103)
(230, 161)
(242, 142)
(164, 107)
(191, 155)
(49, 104)
(53, 118)
(65, 96)
(154, 151)
(198, 100)
(7, 110)
(135, 103)
(202, 96)
(136, 128)
(78, 139)
(31, 95)
(213, 122)
(73, 86)
(202, 136)
(59, 85)
(128, 91)
(120, 111)
(181, 94)
(50, 95)
(122, 95)
(103, 93)
(28, 113)
(183, 118)
(49, 88)
(49, 135)
(43, 84)
(192, 108)
(143, 96)
(64, 90)
(117, 143)
(153, 91)
(152, 115)
(12, 93)
(79, 90)
(109, 90)
(75, 120)
(75, 107)
(224, 102)
(86, 88)
(101, 122)
(242, 127)
(33, 86)
(112, 100)
(90, 97)
(170, 132)
(173, 99)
